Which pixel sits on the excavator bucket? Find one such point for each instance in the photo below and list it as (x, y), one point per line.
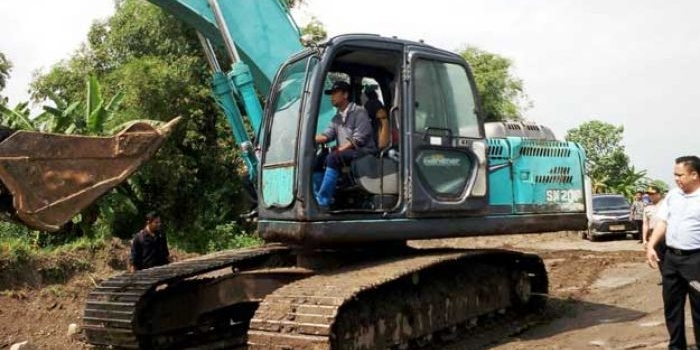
(49, 178)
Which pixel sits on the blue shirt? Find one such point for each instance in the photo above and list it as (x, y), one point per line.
(681, 212)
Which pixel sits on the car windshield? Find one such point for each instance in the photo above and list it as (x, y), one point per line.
(610, 203)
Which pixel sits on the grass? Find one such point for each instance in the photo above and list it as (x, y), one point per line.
(35, 258)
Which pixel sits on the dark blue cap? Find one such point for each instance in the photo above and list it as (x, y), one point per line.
(338, 85)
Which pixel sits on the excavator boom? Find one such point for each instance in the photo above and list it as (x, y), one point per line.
(49, 178)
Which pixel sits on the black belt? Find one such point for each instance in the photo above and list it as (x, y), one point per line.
(676, 251)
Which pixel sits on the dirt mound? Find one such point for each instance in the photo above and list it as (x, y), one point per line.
(41, 295)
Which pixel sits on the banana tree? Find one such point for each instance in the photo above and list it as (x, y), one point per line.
(96, 114)
(58, 118)
(99, 114)
(629, 182)
(17, 118)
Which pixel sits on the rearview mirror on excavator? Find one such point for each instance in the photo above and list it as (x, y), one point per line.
(46, 179)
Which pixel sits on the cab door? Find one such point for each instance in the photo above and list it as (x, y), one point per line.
(279, 152)
(446, 145)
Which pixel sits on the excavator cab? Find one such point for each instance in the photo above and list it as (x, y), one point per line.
(442, 176)
(436, 168)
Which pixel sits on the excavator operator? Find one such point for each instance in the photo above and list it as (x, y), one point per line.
(352, 130)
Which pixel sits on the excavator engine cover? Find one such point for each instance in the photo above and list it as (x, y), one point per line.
(49, 178)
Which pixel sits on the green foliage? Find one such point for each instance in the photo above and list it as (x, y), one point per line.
(663, 186)
(607, 164)
(16, 118)
(65, 81)
(5, 68)
(293, 3)
(16, 242)
(19, 243)
(502, 95)
(58, 118)
(315, 30)
(232, 236)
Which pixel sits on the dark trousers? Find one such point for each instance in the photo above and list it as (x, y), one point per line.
(660, 249)
(640, 227)
(337, 160)
(678, 271)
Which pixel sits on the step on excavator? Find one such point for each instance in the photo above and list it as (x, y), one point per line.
(342, 277)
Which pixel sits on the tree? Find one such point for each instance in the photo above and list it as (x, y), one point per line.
(17, 118)
(294, 3)
(315, 30)
(630, 181)
(663, 186)
(502, 95)
(5, 68)
(606, 162)
(156, 62)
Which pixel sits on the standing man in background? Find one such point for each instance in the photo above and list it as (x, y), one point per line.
(637, 213)
(679, 223)
(149, 248)
(651, 219)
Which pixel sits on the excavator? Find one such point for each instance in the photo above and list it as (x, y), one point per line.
(344, 277)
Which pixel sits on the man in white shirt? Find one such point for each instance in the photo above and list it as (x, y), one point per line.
(679, 223)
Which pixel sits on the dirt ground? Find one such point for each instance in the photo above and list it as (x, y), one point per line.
(602, 296)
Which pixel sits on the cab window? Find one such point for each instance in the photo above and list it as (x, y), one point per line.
(443, 99)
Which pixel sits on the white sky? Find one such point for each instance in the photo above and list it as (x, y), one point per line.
(626, 62)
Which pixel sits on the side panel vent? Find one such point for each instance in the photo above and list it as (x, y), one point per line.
(497, 149)
(559, 175)
(541, 148)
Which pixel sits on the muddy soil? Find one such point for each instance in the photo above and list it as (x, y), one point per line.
(602, 296)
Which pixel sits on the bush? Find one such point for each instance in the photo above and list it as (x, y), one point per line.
(232, 236)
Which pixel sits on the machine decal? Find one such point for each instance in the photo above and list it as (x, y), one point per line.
(564, 196)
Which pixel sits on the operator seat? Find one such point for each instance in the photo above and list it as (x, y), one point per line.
(379, 174)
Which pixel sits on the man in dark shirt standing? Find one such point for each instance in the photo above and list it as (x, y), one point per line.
(149, 248)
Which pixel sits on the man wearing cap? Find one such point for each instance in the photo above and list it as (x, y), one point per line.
(637, 213)
(352, 130)
(650, 220)
(679, 223)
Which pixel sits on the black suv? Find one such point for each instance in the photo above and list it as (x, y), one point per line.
(610, 216)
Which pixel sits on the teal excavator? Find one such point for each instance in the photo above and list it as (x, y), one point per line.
(338, 278)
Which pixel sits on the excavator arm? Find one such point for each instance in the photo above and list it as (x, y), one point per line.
(49, 178)
(258, 37)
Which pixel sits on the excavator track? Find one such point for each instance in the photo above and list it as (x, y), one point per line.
(398, 303)
(259, 299)
(118, 313)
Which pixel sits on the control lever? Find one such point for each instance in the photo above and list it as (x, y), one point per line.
(393, 155)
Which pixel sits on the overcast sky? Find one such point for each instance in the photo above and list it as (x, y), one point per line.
(626, 62)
